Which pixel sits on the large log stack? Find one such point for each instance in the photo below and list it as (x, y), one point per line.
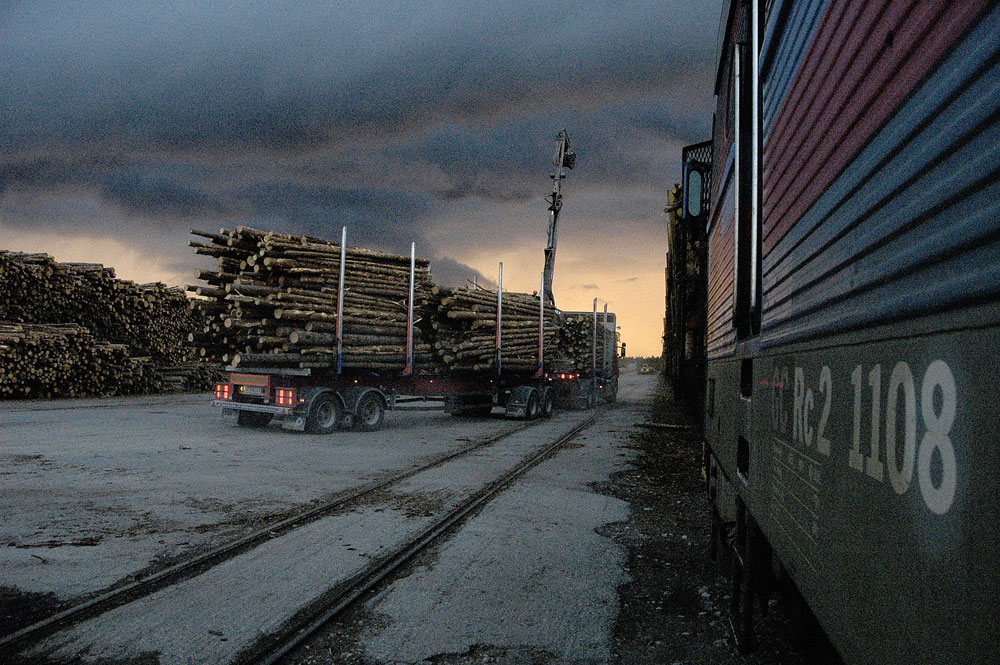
(576, 342)
(74, 329)
(464, 323)
(273, 302)
(150, 319)
(65, 360)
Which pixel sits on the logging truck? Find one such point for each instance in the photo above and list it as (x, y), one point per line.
(323, 399)
(319, 386)
(577, 386)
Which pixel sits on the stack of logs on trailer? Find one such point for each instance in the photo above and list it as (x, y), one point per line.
(576, 342)
(464, 324)
(73, 329)
(272, 302)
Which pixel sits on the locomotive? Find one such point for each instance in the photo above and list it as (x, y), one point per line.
(843, 227)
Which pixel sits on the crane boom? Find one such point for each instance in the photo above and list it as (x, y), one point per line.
(564, 159)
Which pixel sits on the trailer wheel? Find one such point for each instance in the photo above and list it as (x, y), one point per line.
(548, 403)
(252, 419)
(370, 413)
(322, 417)
(531, 410)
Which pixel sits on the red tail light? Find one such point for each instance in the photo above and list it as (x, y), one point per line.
(285, 396)
(222, 390)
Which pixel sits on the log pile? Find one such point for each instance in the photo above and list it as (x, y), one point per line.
(73, 329)
(576, 340)
(273, 302)
(65, 360)
(191, 376)
(150, 319)
(464, 325)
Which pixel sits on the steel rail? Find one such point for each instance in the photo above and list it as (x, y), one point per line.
(272, 648)
(18, 640)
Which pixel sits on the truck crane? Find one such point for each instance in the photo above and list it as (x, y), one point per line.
(564, 159)
(580, 386)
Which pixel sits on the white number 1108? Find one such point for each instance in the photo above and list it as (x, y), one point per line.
(938, 379)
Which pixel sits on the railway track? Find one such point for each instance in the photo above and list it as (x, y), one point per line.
(272, 647)
(197, 564)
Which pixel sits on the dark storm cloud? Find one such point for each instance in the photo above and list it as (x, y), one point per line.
(211, 76)
(50, 172)
(475, 162)
(449, 272)
(163, 197)
(509, 161)
(384, 220)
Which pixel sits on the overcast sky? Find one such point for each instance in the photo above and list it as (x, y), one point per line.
(124, 124)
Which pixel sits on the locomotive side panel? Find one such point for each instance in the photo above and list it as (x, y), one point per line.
(721, 336)
(863, 445)
(873, 476)
(863, 226)
(725, 418)
(782, 53)
(722, 417)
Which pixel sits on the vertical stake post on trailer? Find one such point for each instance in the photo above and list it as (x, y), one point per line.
(604, 356)
(408, 370)
(340, 301)
(499, 315)
(593, 354)
(541, 329)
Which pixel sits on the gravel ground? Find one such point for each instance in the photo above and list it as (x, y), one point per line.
(98, 493)
(675, 609)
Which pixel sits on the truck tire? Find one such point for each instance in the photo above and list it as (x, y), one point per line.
(323, 414)
(548, 402)
(532, 409)
(370, 413)
(252, 419)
